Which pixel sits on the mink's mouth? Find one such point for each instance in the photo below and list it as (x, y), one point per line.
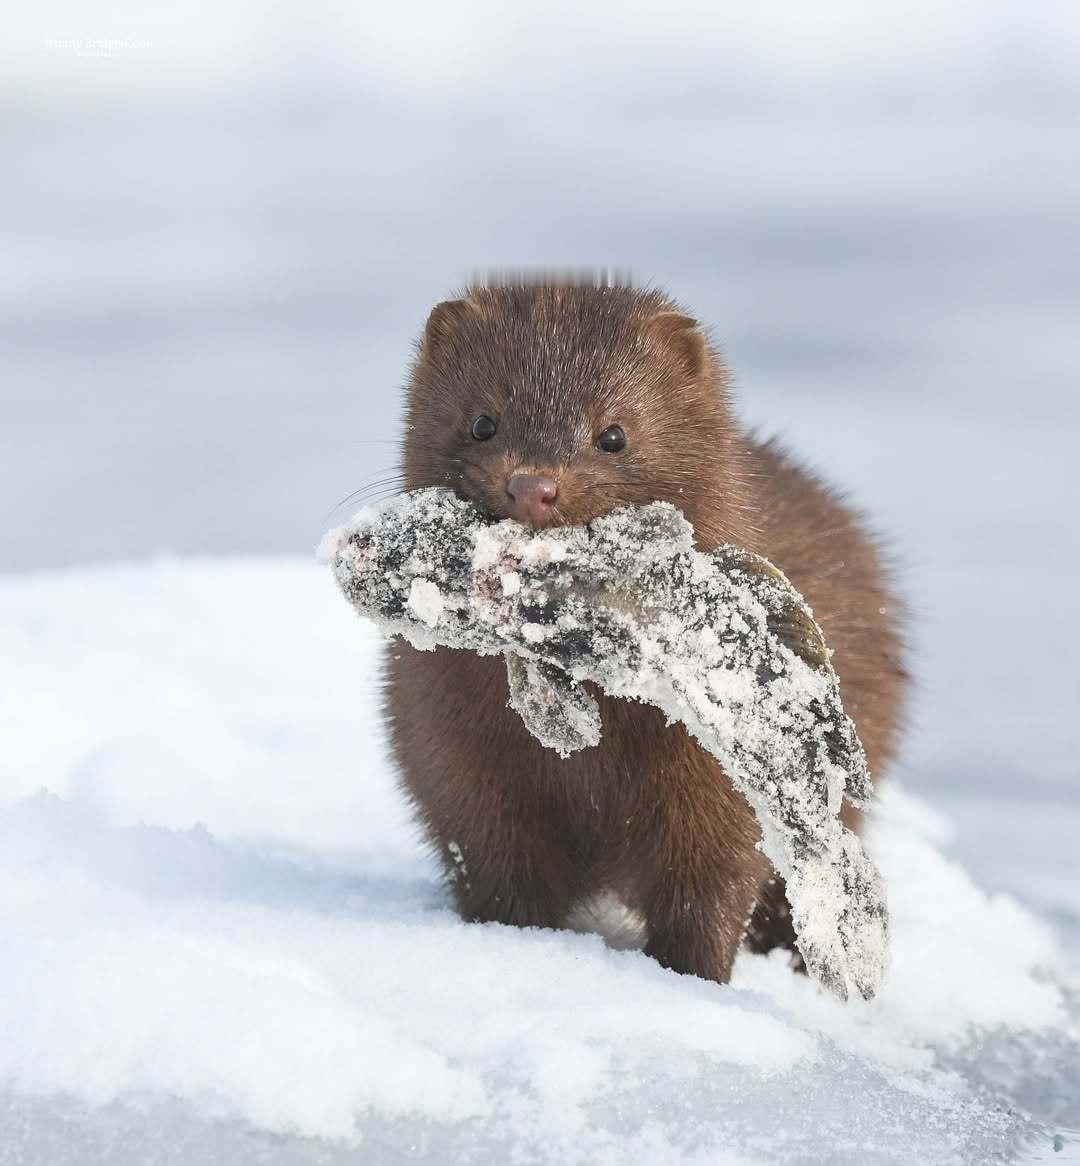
(493, 515)
(573, 507)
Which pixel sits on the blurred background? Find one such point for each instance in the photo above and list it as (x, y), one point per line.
(221, 228)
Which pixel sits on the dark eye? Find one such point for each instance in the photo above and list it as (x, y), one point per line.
(483, 427)
(612, 439)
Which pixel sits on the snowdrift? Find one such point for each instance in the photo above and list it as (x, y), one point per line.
(221, 937)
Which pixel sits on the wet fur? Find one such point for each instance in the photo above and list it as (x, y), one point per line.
(648, 816)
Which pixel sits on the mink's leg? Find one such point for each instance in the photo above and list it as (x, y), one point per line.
(510, 863)
(771, 925)
(526, 889)
(699, 871)
(479, 786)
(696, 926)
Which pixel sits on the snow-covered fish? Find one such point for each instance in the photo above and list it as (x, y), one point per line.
(721, 642)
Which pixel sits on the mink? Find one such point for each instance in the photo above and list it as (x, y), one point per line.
(553, 400)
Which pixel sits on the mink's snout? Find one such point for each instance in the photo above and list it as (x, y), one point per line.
(532, 498)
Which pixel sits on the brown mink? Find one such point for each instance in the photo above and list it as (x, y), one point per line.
(553, 401)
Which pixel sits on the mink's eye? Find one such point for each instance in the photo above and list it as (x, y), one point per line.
(483, 427)
(612, 440)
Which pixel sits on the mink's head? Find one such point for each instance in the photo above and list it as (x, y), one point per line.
(555, 401)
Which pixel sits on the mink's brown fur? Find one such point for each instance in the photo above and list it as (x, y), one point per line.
(648, 815)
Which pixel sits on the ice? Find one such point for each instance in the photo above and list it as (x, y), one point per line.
(222, 940)
(721, 642)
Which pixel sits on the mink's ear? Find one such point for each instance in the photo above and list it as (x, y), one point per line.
(445, 321)
(680, 335)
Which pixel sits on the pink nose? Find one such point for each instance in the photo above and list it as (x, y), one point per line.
(532, 498)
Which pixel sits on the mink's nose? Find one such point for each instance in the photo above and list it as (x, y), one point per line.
(532, 498)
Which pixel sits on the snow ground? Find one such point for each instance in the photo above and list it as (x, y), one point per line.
(223, 942)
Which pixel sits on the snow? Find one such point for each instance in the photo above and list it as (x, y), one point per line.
(425, 601)
(220, 936)
(631, 606)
